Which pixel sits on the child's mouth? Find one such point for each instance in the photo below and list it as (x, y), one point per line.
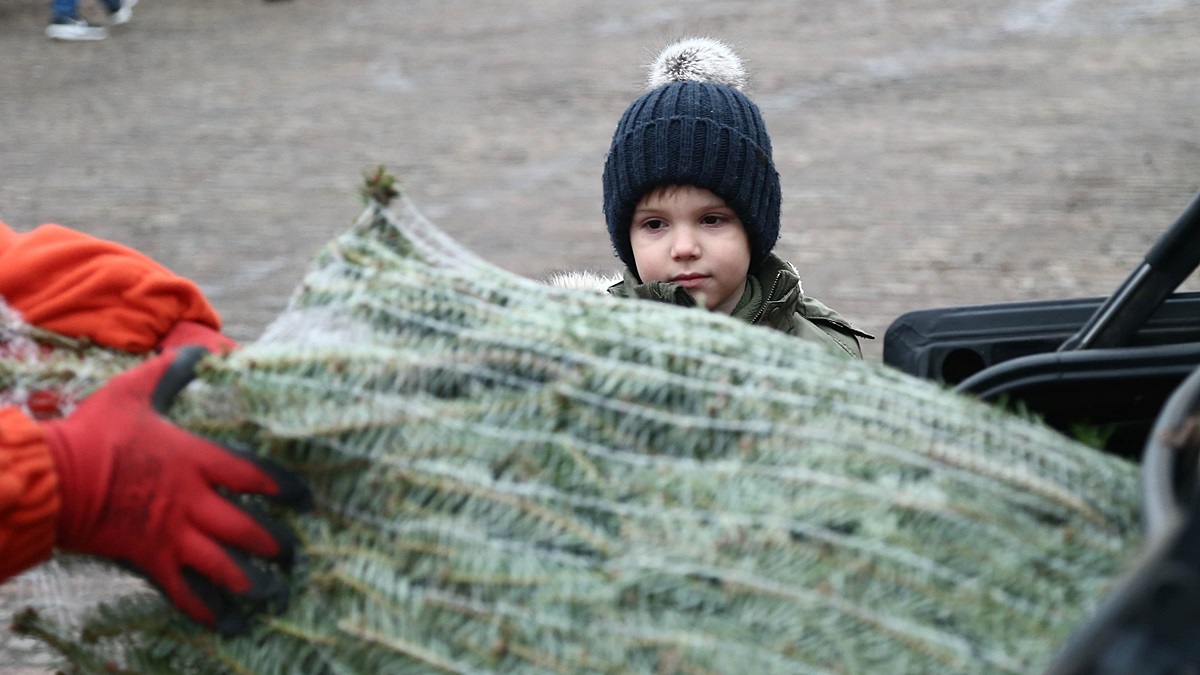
(689, 280)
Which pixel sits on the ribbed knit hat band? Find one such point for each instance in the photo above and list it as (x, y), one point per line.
(694, 132)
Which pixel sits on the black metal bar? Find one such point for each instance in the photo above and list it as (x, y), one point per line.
(1172, 258)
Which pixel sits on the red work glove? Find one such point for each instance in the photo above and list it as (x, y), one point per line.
(196, 333)
(137, 489)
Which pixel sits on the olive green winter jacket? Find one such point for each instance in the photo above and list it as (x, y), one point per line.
(773, 298)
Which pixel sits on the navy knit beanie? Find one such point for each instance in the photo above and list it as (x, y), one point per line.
(694, 127)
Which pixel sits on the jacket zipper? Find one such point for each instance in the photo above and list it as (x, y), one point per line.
(767, 298)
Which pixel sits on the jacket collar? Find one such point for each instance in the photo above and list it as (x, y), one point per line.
(782, 295)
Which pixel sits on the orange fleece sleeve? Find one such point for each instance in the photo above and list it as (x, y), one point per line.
(29, 498)
(77, 285)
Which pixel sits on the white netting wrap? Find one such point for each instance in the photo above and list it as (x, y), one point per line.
(513, 477)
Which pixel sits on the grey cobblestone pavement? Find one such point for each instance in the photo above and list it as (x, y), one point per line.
(932, 152)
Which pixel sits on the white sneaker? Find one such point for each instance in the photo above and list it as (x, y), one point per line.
(123, 14)
(74, 29)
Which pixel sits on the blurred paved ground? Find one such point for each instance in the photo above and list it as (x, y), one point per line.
(932, 152)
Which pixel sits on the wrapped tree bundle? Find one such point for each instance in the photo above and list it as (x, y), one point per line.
(517, 478)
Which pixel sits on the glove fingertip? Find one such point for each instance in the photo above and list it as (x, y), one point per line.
(292, 490)
(286, 543)
(188, 592)
(219, 613)
(177, 376)
(285, 557)
(268, 591)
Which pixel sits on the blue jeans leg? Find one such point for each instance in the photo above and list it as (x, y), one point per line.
(64, 9)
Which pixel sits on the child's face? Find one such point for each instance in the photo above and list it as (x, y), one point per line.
(688, 235)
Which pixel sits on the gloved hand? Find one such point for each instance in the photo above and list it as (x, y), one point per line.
(196, 333)
(137, 489)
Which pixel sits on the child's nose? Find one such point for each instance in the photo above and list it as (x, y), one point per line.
(685, 244)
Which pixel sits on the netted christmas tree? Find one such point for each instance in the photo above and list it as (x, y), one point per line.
(512, 477)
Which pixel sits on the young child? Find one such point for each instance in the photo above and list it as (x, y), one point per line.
(692, 200)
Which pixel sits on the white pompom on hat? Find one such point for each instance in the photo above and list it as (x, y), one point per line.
(698, 59)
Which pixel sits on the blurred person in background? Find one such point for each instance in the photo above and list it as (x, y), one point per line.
(65, 23)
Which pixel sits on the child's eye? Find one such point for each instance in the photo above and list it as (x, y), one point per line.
(714, 219)
(654, 224)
